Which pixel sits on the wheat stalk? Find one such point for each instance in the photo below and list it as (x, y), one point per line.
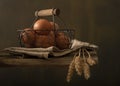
(79, 64)
(71, 69)
(86, 71)
(90, 60)
(86, 68)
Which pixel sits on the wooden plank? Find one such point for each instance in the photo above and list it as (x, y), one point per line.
(14, 60)
(28, 62)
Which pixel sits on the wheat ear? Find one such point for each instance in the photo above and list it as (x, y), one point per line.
(86, 71)
(71, 69)
(79, 64)
(86, 68)
(90, 60)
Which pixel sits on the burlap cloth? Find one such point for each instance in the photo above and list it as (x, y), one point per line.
(54, 51)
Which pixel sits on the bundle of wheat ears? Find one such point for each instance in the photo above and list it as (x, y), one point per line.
(81, 63)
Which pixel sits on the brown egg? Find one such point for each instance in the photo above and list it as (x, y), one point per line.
(28, 37)
(62, 41)
(56, 26)
(45, 41)
(43, 26)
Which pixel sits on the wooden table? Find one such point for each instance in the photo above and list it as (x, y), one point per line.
(13, 61)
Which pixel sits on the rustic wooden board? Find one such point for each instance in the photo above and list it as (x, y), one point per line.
(13, 60)
(26, 62)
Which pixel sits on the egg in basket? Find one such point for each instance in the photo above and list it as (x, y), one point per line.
(45, 33)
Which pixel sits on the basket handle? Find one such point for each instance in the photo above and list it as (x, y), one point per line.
(48, 12)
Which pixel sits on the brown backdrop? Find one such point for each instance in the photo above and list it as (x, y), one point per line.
(95, 21)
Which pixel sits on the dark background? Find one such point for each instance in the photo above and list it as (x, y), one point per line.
(95, 21)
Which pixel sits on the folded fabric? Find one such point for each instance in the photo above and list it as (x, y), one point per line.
(54, 51)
